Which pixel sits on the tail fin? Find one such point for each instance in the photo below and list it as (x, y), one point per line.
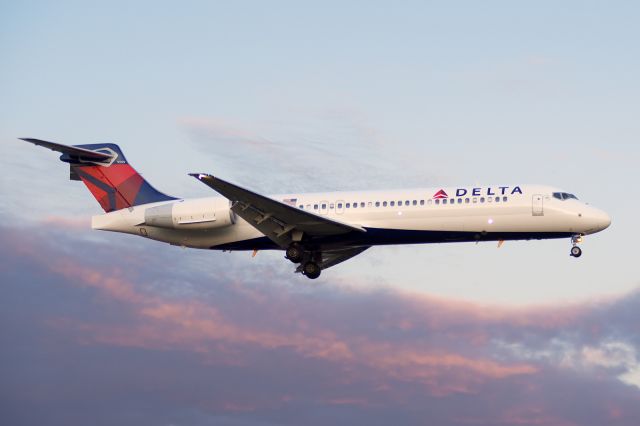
(106, 172)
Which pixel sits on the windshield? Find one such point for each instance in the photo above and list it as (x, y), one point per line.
(564, 196)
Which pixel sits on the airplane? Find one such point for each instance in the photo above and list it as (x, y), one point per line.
(319, 230)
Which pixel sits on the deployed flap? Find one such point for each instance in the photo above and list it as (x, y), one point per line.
(333, 257)
(85, 154)
(274, 219)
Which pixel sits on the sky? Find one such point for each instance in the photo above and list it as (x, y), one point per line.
(292, 97)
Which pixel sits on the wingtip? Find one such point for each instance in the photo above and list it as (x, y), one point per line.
(200, 176)
(32, 140)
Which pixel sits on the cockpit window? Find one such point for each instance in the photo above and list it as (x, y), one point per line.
(564, 196)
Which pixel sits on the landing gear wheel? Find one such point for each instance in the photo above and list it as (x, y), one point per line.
(294, 253)
(576, 251)
(311, 270)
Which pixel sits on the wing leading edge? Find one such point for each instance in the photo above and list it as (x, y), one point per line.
(280, 222)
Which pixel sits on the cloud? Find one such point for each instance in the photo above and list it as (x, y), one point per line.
(305, 151)
(136, 333)
(219, 130)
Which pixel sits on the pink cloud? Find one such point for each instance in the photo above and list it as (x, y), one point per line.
(376, 349)
(199, 327)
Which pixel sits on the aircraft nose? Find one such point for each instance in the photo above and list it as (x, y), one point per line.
(600, 219)
(604, 220)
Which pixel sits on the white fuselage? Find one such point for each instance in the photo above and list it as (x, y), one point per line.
(390, 217)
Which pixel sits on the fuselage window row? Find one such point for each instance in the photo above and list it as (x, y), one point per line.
(437, 201)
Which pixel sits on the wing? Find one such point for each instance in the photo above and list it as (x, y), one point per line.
(333, 257)
(280, 222)
(85, 154)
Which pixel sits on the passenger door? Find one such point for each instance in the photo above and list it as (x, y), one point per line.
(537, 207)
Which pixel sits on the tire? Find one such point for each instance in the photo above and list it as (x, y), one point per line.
(576, 251)
(311, 270)
(294, 253)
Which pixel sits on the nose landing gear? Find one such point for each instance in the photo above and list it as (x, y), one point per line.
(575, 250)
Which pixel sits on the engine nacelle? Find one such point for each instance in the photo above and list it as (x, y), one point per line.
(204, 213)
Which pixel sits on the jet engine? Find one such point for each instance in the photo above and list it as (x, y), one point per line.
(203, 213)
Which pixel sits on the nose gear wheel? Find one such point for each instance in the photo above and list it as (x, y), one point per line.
(575, 250)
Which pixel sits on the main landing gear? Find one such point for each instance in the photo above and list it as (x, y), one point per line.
(575, 250)
(311, 270)
(295, 253)
(308, 260)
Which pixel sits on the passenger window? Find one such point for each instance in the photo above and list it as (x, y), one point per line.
(348, 205)
(422, 202)
(301, 206)
(362, 205)
(308, 206)
(437, 201)
(399, 203)
(504, 198)
(444, 201)
(339, 205)
(466, 201)
(331, 206)
(429, 201)
(415, 202)
(497, 199)
(406, 203)
(377, 203)
(475, 200)
(315, 207)
(384, 204)
(489, 199)
(324, 206)
(355, 205)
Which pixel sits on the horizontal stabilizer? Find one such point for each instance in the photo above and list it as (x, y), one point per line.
(105, 171)
(85, 154)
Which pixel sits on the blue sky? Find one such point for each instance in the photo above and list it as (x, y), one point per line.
(288, 96)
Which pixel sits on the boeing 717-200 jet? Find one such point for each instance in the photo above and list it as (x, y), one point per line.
(320, 230)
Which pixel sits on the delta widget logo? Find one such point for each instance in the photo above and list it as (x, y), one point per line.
(440, 194)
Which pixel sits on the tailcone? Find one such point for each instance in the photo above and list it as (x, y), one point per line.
(125, 220)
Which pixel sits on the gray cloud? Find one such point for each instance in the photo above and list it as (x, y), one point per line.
(129, 331)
